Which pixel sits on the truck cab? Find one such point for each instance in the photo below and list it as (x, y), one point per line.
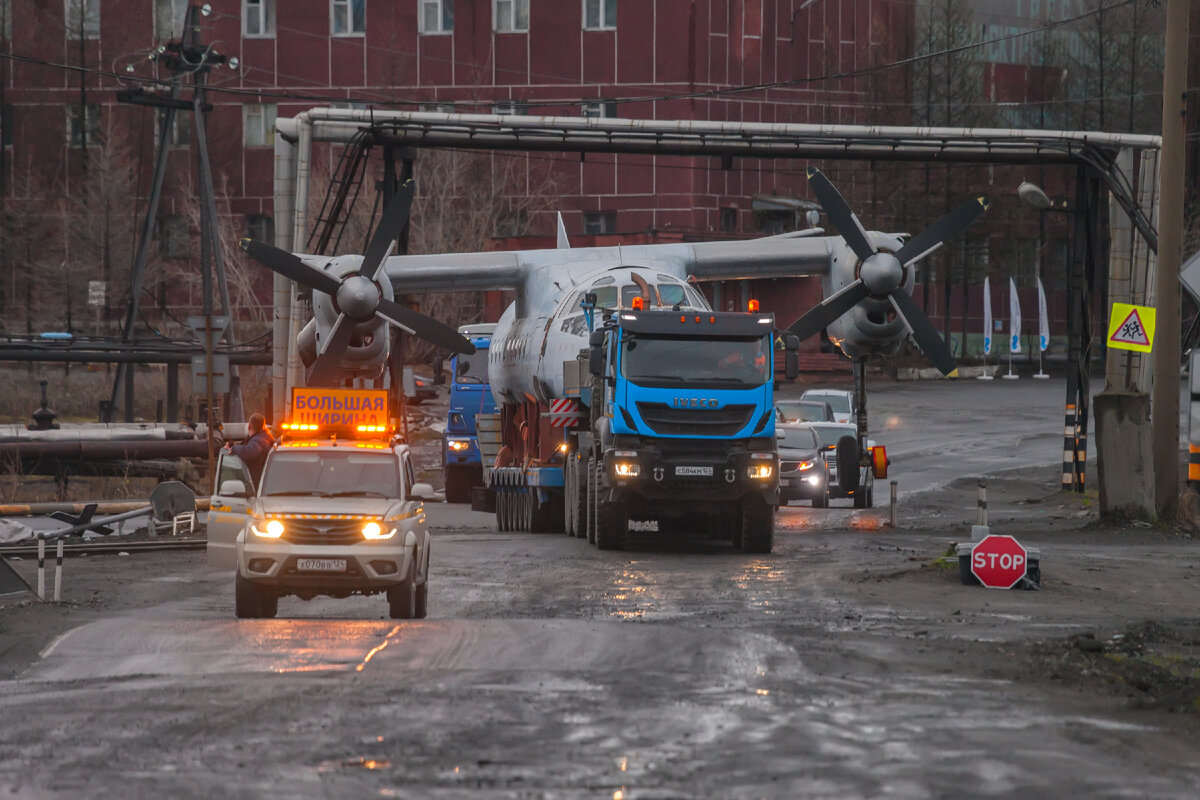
(470, 395)
(338, 512)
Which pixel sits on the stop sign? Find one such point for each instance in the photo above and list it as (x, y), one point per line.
(998, 561)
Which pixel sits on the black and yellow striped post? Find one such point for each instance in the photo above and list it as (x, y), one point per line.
(1068, 467)
(1193, 435)
(1193, 477)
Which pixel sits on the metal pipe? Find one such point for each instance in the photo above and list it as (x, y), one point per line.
(295, 367)
(171, 449)
(285, 210)
(32, 354)
(102, 507)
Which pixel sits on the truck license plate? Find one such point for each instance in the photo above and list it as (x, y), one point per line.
(705, 472)
(321, 564)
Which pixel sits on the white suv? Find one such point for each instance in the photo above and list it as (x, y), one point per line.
(840, 400)
(332, 517)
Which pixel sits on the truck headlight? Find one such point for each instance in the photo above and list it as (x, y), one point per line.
(627, 469)
(267, 529)
(760, 472)
(458, 444)
(373, 531)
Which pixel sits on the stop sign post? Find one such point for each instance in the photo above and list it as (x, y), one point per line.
(999, 562)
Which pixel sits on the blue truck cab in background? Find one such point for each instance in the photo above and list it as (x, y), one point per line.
(470, 395)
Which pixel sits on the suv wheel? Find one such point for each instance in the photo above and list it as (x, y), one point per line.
(251, 601)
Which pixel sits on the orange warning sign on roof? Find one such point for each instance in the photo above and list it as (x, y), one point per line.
(1131, 327)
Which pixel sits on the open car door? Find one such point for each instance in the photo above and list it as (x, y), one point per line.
(227, 514)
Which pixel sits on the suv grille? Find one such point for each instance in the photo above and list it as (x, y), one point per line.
(322, 531)
(668, 421)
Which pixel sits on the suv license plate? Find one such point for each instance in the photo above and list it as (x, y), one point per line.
(321, 564)
(694, 471)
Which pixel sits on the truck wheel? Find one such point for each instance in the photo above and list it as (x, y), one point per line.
(612, 525)
(251, 601)
(579, 513)
(422, 605)
(458, 485)
(402, 599)
(758, 525)
(590, 501)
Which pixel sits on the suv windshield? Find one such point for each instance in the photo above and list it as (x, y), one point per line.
(735, 363)
(829, 434)
(328, 474)
(838, 401)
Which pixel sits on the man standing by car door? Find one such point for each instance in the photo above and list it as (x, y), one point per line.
(253, 452)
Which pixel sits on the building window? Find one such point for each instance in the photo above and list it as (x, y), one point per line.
(82, 125)
(599, 222)
(83, 19)
(260, 227)
(259, 16)
(599, 15)
(600, 109)
(436, 16)
(169, 16)
(6, 19)
(258, 124)
(729, 219)
(512, 16)
(439, 108)
(180, 134)
(349, 17)
(505, 107)
(175, 237)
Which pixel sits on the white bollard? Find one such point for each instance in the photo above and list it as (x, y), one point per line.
(58, 571)
(895, 517)
(980, 529)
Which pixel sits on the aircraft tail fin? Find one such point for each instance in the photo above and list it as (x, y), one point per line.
(563, 243)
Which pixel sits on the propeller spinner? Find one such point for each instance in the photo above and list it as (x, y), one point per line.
(881, 274)
(358, 297)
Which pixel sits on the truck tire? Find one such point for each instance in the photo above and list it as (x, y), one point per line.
(459, 481)
(580, 511)
(847, 464)
(758, 525)
(612, 525)
(590, 500)
(251, 601)
(569, 495)
(402, 598)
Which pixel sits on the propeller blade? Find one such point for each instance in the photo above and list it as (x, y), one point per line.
(840, 216)
(391, 223)
(289, 266)
(425, 327)
(927, 336)
(939, 232)
(832, 307)
(329, 358)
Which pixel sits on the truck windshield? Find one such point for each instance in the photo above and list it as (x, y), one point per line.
(731, 363)
(329, 474)
(472, 368)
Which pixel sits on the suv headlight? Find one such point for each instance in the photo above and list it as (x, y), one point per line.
(267, 528)
(376, 531)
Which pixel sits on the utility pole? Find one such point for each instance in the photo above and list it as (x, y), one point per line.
(1164, 414)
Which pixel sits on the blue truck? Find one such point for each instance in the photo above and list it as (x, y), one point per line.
(470, 396)
(675, 426)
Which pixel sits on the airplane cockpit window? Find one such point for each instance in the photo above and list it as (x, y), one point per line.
(697, 300)
(672, 294)
(606, 296)
(630, 291)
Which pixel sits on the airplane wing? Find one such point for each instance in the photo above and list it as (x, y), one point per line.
(772, 257)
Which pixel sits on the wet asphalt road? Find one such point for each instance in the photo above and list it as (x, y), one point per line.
(550, 669)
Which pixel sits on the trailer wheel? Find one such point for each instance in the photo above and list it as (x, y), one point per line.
(758, 525)
(590, 499)
(847, 464)
(612, 525)
(579, 512)
(569, 495)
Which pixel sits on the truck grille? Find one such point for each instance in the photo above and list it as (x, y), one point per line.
(667, 421)
(322, 531)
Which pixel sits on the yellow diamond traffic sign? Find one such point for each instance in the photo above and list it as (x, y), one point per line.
(1131, 327)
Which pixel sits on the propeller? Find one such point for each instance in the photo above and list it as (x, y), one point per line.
(358, 297)
(881, 274)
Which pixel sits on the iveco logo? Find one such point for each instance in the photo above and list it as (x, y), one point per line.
(695, 402)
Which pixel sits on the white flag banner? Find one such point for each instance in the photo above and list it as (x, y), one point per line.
(987, 317)
(1014, 318)
(1043, 318)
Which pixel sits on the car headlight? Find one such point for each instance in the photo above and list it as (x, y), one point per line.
(803, 465)
(760, 472)
(374, 531)
(458, 444)
(267, 529)
(627, 469)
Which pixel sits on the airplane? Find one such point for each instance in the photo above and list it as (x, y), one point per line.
(867, 280)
